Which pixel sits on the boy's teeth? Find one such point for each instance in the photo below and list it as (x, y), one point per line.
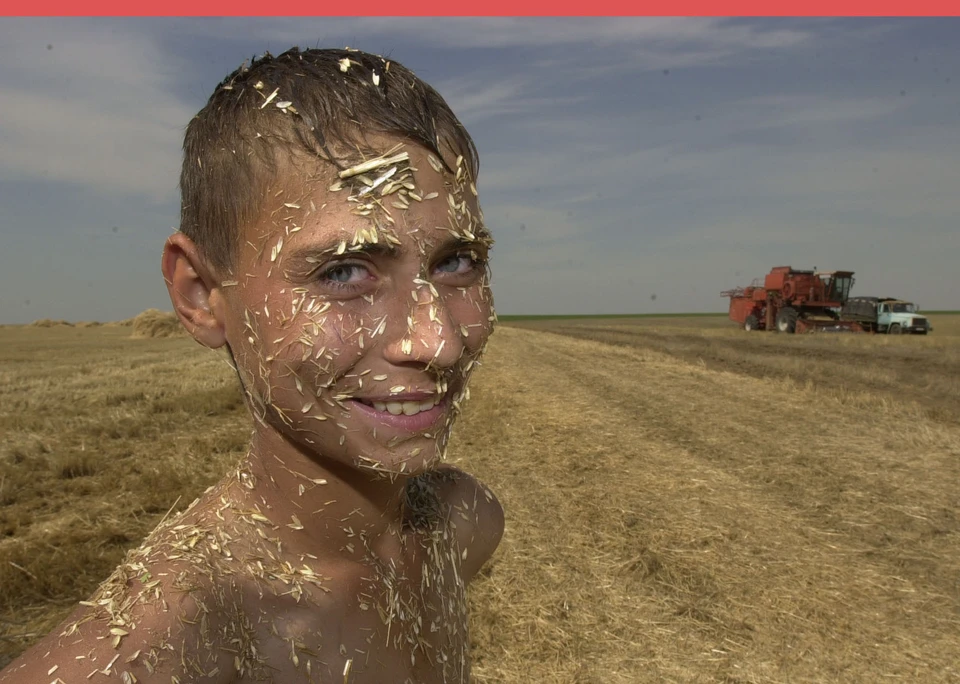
(408, 408)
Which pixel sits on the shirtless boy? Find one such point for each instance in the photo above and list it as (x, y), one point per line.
(331, 241)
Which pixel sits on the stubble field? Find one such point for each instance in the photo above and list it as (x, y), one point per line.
(685, 502)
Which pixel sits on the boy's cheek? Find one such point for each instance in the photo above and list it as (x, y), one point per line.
(471, 310)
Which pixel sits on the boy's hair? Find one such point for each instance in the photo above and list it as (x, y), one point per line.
(318, 103)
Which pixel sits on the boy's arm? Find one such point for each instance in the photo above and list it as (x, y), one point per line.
(477, 518)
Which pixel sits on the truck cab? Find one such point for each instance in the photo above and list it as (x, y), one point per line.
(896, 317)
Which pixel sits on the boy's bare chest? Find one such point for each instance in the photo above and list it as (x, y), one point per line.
(396, 621)
(279, 608)
(421, 611)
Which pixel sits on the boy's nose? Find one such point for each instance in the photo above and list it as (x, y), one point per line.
(426, 335)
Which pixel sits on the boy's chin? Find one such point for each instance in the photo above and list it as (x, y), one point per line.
(402, 462)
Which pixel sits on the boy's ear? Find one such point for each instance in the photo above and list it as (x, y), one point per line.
(195, 291)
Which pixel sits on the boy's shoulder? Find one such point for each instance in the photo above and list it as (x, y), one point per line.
(190, 603)
(131, 628)
(474, 513)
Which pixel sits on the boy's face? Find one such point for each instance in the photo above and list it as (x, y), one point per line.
(360, 307)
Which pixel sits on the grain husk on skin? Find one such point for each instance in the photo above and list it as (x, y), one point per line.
(428, 621)
(367, 185)
(404, 612)
(229, 545)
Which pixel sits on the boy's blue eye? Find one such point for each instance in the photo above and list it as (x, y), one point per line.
(345, 273)
(458, 263)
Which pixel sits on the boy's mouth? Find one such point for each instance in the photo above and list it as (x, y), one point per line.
(405, 414)
(407, 408)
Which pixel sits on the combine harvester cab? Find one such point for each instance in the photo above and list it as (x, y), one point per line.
(794, 301)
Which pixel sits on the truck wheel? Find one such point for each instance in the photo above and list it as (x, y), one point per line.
(787, 320)
(894, 329)
(751, 323)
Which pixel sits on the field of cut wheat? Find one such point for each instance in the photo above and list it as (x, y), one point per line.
(685, 501)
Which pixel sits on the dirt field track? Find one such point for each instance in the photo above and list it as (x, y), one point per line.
(685, 502)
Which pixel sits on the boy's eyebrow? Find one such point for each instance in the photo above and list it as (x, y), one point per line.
(313, 253)
(459, 242)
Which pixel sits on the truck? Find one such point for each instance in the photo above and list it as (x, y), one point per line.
(791, 300)
(886, 315)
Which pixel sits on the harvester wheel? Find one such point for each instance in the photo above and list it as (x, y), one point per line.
(895, 329)
(751, 323)
(787, 320)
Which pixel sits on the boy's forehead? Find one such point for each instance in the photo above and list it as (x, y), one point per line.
(392, 184)
(307, 175)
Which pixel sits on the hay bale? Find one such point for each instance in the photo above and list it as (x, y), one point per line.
(125, 323)
(156, 323)
(50, 323)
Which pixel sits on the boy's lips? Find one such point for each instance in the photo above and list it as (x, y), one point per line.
(403, 412)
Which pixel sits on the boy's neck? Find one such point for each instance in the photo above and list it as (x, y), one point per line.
(318, 491)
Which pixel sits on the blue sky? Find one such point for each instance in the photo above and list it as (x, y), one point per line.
(627, 165)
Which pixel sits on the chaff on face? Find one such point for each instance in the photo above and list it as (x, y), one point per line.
(379, 210)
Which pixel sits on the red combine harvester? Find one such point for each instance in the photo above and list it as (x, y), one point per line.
(793, 301)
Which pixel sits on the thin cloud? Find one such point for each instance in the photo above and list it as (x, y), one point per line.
(96, 110)
(477, 99)
(507, 32)
(104, 151)
(99, 108)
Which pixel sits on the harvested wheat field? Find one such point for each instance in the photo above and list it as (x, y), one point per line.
(685, 502)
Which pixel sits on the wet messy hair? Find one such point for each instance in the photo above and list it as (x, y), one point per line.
(320, 103)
